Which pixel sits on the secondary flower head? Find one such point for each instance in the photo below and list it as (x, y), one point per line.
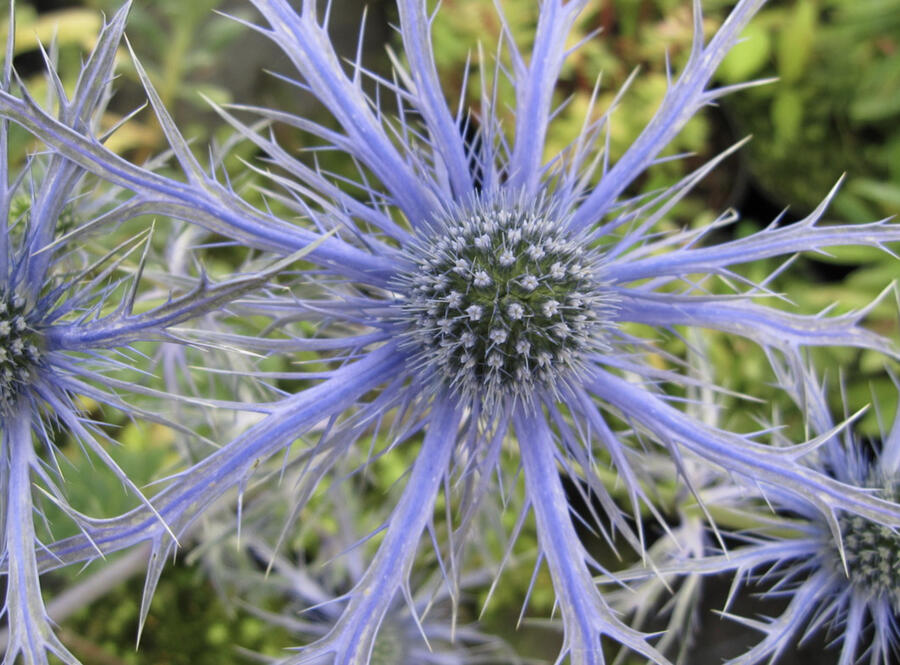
(479, 296)
(853, 563)
(20, 352)
(838, 573)
(872, 555)
(75, 307)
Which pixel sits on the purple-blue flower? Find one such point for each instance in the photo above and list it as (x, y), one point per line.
(481, 296)
(838, 575)
(73, 311)
(843, 573)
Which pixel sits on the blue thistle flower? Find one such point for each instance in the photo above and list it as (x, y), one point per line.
(475, 308)
(71, 312)
(845, 574)
(840, 574)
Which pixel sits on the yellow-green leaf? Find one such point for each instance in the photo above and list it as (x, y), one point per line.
(748, 57)
(795, 42)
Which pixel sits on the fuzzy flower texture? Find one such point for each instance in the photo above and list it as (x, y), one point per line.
(468, 299)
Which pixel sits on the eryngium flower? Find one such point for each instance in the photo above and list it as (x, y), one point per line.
(839, 575)
(72, 308)
(477, 293)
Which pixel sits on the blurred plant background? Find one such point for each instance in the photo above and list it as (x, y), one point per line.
(834, 110)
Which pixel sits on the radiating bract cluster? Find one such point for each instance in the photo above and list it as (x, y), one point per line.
(467, 302)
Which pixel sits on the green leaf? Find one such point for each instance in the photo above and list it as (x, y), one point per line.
(748, 57)
(852, 255)
(885, 193)
(873, 277)
(195, 93)
(795, 42)
(787, 115)
(69, 26)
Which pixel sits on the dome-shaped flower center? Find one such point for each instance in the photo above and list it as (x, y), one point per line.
(501, 302)
(18, 348)
(873, 557)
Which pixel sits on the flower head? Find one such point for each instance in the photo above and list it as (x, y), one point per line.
(75, 308)
(20, 354)
(839, 573)
(500, 303)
